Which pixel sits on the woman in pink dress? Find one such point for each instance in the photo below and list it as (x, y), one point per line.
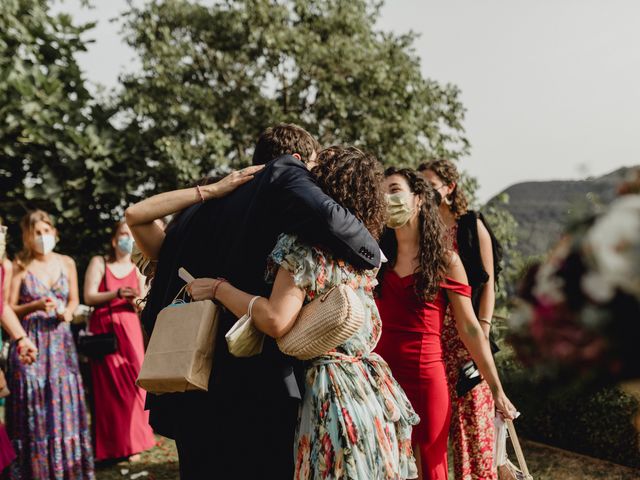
(114, 286)
(28, 351)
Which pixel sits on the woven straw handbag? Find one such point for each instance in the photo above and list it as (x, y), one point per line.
(324, 323)
(508, 471)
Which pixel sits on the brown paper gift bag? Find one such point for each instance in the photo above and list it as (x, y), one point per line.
(179, 356)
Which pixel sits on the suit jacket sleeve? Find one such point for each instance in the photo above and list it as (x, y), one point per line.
(315, 217)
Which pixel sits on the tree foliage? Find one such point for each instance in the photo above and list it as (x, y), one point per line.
(53, 150)
(214, 76)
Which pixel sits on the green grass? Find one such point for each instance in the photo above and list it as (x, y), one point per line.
(545, 463)
(161, 463)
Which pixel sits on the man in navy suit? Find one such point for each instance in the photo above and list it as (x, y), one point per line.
(243, 427)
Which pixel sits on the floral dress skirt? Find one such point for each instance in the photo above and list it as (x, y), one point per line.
(355, 420)
(46, 413)
(472, 431)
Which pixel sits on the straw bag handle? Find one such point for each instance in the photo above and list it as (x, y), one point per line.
(516, 446)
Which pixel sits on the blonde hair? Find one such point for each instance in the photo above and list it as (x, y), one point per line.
(27, 225)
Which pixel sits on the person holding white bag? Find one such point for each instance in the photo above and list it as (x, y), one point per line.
(355, 420)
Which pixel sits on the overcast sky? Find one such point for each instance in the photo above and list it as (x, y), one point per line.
(551, 87)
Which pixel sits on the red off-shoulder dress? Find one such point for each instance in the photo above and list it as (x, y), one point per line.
(411, 345)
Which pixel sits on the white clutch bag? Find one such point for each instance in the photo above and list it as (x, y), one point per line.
(244, 339)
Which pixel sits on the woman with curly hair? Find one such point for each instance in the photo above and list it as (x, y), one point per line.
(355, 421)
(420, 279)
(467, 232)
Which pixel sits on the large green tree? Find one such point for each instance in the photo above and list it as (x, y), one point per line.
(54, 147)
(213, 77)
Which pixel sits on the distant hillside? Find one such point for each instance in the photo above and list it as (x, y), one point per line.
(542, 209)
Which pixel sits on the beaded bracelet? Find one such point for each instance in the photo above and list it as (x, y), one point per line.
(200, 193)
(215, 287)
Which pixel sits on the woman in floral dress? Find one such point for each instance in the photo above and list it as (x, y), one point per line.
(355, 420)
(472, 431)
(46, 414)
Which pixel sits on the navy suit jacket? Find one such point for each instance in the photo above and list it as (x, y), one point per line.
(232, 238)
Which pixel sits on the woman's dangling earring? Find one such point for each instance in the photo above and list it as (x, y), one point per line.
(448, 200)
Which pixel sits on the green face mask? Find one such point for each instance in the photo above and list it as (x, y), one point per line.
(399, 209)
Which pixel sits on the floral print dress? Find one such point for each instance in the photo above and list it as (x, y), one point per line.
(355, 420)
(46, 414)
(472, 431)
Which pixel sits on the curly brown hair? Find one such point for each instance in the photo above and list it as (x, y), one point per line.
(353, 178)
(433, 254)
(447, 171)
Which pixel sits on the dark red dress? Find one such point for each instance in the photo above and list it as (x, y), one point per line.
(411, 345)
(121, 423)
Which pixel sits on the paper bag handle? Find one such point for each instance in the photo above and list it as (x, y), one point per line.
(517, 448)
(181, 294)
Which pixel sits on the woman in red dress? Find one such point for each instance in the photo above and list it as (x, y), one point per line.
(114, 286)
(420, 279)
(472, 413)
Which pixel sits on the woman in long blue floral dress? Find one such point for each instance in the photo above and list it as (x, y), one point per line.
(46, 415)
(355, 420)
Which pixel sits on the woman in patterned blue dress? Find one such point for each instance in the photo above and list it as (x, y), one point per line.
(46, 416)
(355, 420)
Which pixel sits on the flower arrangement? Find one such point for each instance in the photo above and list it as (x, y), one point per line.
(577, 317)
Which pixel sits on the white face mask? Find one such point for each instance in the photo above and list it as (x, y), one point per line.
(45, 243)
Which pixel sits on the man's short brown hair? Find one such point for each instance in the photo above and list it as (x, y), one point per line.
(284, 139)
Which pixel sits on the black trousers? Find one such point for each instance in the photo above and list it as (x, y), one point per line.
(237, 438)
